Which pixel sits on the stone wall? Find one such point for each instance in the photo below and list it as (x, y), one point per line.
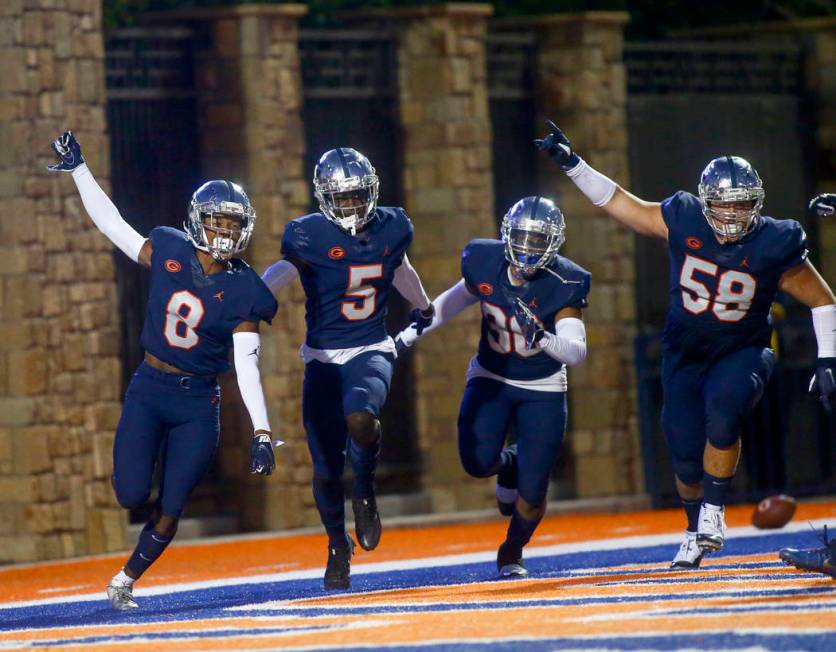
(59, 358)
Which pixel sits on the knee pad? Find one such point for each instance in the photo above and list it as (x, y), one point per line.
(363, 428)
(131, 498)
(688, 471)
(479, 467)
(327, 485)
(723, 430)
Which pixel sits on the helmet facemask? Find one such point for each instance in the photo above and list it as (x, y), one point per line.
(732, 195)
(531, 243)
(210, 232)
(348, 203)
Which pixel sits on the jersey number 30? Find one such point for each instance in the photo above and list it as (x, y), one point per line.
(182, 315)
(366, 295)
(735, 290)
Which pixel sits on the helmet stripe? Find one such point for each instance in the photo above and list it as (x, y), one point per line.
(732, 172)
(343, 162)
(535, 206)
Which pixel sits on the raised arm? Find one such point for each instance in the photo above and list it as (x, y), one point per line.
(101, 210)
(641, 216)
(447, 305)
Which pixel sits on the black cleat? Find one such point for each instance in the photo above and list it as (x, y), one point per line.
(819, 560)
(509, 561)
(366, 522)
(506, 483)
(338, 569)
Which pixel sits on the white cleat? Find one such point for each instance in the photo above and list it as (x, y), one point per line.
(689, 554)
(711, 531)
(121, 597)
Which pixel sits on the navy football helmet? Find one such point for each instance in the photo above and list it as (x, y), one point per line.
(220, 198)
(346, 187)
(732, 195)
(533, 230)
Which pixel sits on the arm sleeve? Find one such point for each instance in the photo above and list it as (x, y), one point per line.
(824, 324)
(568, 344)
(279, 274)
(105, 215)
(406, 282)
(448, 304)
(246, 348)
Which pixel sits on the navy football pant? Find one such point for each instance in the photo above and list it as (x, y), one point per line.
(708, 403)
(330, 393)
(175, 418)
(489, 408)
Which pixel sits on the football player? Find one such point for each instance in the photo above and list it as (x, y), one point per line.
(532, 328)
(727, 263)
(202, 302)
(818, 560)
(348, 256)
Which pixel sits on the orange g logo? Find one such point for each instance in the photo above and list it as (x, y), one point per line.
(693, 243)
(486, 289)
(336, 253)
(172, 266)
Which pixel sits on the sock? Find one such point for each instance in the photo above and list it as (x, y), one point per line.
(122, 578)
(329, 497)
(692, 510)
(715, 489)
(520, 529)
(148, 549)
(363, 464)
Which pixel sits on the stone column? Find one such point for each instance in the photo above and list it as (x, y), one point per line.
(250, 102)
(59, 359)
(581, 85)
(448, 193)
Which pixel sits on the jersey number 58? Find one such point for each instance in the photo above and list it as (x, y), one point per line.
(735, 290)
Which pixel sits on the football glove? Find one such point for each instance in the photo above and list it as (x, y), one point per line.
(422, 318)
(69, 151)
(824, 204)
(823, 381)
(557, 145)
(262, 459)
(532, 329)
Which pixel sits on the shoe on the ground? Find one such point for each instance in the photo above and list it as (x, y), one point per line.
(366, 522)
(121, 596)
(506, 483)
(819, 560)
(711, 531)
(689, 554)
(338, 568)
(509, 561)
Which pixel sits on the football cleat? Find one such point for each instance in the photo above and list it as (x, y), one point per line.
(819, 560)
(506, 483)
(509, 561)
(711, 531)
(689, 554)
(338, 568)
(366, 522)
(121, 596)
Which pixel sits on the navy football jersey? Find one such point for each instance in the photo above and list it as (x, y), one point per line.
(720, 295)
(502, 346)
(191, 315)
(347, 278)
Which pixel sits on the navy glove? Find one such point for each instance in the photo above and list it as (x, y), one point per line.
(824, 204)
(558, 147)
(69, 151)
(823, 381)
(262, 459)
(532, 329)
(422, 318)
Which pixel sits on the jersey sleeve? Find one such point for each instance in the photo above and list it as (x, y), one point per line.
(793, 244)
(294, 241)
(679, 209)
(406, 233)
(468, 265)
(580, 298)
(263, 305)
(165, 240)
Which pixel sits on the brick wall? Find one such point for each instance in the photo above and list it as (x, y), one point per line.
(59, 363)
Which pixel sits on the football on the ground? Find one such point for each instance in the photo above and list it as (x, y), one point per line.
(773, 512)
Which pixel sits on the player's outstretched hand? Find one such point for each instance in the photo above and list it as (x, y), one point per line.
(69, 153)
(422, 318)
(405, 339)
(823, 382)
(262, 459)
(557, 145)
(532, 330)
(824, 204)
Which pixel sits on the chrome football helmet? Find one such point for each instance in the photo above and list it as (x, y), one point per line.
(533, 230)
(732, 195)
(220, 199)
(346, 187)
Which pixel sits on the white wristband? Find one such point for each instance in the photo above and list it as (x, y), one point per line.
(597, 187)
(824, 324)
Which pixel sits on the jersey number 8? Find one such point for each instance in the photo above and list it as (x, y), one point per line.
(735, 290)
(182, 316)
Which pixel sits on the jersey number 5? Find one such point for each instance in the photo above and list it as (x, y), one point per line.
(182, 315)
(735, 290)
(366, 295)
